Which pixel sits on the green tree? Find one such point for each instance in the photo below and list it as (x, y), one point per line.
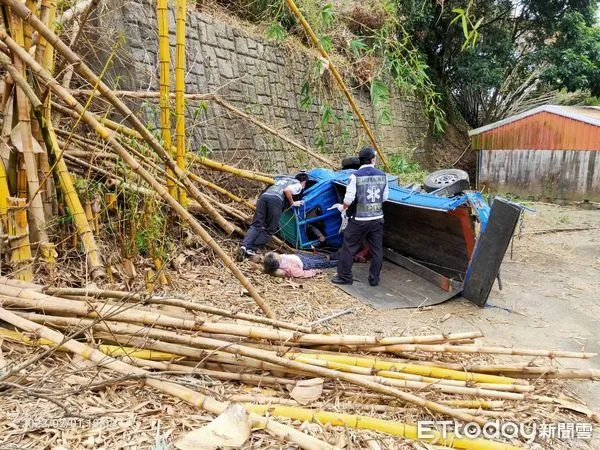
(519, 56)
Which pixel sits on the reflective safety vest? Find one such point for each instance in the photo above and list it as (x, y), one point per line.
(370, 184)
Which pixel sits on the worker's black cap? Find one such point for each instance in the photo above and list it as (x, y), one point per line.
(366, 154)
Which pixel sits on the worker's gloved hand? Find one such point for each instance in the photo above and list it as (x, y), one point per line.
(298, 203)
(337, 206)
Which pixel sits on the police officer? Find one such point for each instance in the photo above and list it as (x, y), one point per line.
(367, 190)
(268, 211)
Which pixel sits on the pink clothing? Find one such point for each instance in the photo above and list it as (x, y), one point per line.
(292, 266)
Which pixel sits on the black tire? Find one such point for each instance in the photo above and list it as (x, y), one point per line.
(444, 178)
(351, 162)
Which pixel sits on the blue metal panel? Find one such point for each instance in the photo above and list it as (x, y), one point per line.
(480, 207)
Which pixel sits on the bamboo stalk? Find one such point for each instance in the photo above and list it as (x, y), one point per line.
(189, 305)
(20, 254)
(234, 361)
(110, 350)
(84, 231)
(36, 208)
(428, 371)
(270, 400)
(195, 398)
(228, 347)
(191, 156)
(136, 167)
(315, 40)
(220, 190)
(82, 69)
(228, 106)
(17, 297)
(443, 348)
(180, 23)
(370, 423)
(164, 56)
(4, 195)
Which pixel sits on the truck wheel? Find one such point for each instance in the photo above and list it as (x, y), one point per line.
(444, 178)
(352, 162)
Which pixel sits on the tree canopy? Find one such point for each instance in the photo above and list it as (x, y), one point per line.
(525, 50)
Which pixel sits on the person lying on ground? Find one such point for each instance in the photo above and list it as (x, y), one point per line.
(296, 265)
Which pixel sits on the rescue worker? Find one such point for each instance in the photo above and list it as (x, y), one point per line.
(363, 203)
(268, 211)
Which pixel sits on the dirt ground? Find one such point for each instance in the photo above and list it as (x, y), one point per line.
(550, 297)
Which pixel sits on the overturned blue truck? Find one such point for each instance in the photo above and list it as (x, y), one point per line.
(436, 245)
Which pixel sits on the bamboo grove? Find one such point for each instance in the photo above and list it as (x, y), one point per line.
(41, 152)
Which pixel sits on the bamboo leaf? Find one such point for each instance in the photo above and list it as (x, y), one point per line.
(327, 14)
(275, 32)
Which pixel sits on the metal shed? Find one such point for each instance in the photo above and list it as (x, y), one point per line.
(549, 152)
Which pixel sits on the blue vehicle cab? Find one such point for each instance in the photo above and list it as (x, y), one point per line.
(457, 242)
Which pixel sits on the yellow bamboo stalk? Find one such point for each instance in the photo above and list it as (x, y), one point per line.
(191, 156)
(115, 351)
(4, 194)
(20, 249)
(164, 57)
(220, 190)
(193, 342)
(91, 120)
(38, 219)
(444, 348)
(315, 40)
(427, 371)
(48, 56)
(180, 21)
(93, 257)
(390, 427)
(192, 397)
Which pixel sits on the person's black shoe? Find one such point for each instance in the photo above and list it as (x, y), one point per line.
(373, 283)
(337, 280)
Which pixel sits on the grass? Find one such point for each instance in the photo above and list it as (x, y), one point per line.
(408, 172)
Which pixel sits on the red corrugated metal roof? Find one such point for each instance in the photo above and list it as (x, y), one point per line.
(548, 127)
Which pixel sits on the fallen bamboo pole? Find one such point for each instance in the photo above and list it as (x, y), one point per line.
(428, 371)
(181, 303)
(136, 167)
(141, 339)
(194, 398)
(271, 400)
(441, 348)
(23, 298)
(315, 40)
(370, 423)
(228, 106)
(228, 347)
